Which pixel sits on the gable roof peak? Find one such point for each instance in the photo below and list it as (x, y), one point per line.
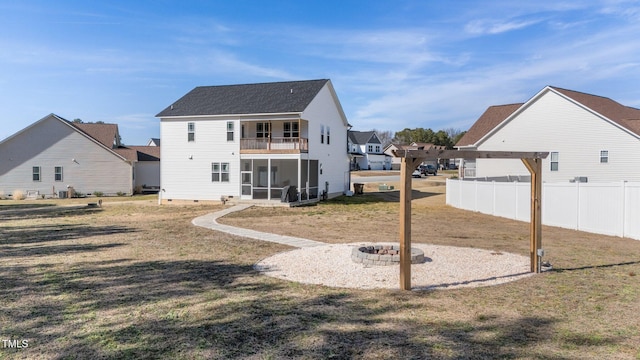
(256, 98)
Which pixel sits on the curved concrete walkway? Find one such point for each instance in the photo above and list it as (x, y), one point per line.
(209, 221)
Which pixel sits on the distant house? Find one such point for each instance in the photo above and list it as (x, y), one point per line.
(267, 141)
(53, 154)
(589, 138)
(154, 142)
(395, 161)
(366, 152)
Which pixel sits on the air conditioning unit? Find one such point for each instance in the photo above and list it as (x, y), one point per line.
(580, 179)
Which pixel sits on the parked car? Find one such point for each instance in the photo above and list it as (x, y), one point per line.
(430, 169)
(453, 167)
(417, 173)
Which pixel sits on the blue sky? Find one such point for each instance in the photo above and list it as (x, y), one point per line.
(394, 64)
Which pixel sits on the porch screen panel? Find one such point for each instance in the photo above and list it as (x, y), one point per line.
(304, 177)
(313, 179)
(260, 179)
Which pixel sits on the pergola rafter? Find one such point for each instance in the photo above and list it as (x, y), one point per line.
(411, 159)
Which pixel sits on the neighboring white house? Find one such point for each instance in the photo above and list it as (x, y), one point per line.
(366, 151)
(253, 141)
(53, 154)
(589, 138)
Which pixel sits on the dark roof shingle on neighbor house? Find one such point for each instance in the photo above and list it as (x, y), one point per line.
(493, 116)
(261, 98)
(363, 137)
(106, 134)
(139, 153)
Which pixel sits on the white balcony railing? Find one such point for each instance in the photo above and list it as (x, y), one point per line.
(275, 143)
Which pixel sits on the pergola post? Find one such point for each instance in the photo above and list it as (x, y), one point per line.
(407, 166)
(535, 228)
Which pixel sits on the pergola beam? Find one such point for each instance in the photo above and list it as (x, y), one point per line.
(410, 161)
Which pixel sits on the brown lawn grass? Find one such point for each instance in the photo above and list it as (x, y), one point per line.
(137, 280)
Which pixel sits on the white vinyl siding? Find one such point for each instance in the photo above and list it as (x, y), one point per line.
(552, 123)
(186, 172)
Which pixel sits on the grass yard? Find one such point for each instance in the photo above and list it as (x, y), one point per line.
(137, 280)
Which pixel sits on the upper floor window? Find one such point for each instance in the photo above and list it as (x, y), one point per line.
(377, 148)
(554, 161)
(321, 134)
(369, 148)
(262, 130)
(58, 173)
(191, 131)
(291, 130)
(604, 156)
(328, 135)
(229, 130)
(36, 173)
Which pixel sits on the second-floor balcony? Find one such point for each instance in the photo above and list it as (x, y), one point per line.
(282, 145)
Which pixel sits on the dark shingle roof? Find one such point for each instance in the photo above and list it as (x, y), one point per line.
(106, 134)
(139, 153)
(363, 137)
(493, 116)
(263, 98)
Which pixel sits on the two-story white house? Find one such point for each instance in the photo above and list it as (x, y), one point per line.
(589, 138)
(366, 151)
(261, 141)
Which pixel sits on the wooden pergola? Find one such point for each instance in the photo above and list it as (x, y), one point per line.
(411, 159)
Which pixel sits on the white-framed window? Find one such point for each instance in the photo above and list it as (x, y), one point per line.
(604, 156)
(321, 134)
(328, 135)
(554, 161)
(36, 171)
(262, 130)
(191, 132)
(369, 148)
(219, 172)
(291, 130)
(58, 173)
(377, 148)
(229, 130)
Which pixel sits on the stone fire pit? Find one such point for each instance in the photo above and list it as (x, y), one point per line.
(383, 255)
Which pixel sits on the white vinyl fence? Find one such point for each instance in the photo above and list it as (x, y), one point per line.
(601, 208)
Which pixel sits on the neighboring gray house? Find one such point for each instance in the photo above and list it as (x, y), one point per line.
(366, 152)
(253, 141)
(53, 154)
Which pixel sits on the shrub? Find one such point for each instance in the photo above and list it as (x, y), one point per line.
(120, 193)
(98, 193)
(19, 195)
